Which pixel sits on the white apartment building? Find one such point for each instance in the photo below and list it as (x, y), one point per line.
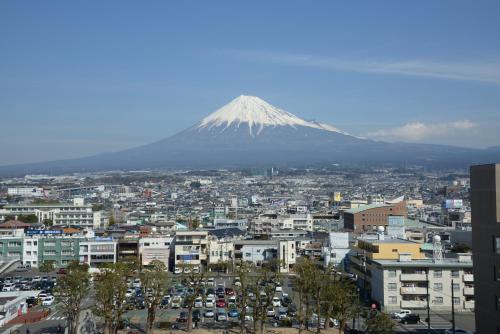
(261, 251)
(228, 223)
(26, 192)
(65, 214)
(191, 247)
(402, 283)
(30, 251)
(337, 248)
(264, 224)
(220, 250)
(98, 251)
(155, 248)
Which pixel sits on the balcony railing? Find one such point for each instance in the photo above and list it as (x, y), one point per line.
(417, 277)
(469, 304)
(413, 304)
(468, 291)
(406, 290)
(468, 278)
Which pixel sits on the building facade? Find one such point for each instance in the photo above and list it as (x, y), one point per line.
(368, 217)
(485, 206)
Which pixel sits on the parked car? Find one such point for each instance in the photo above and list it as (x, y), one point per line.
(221, 303)
(196, 316)
(410, 319)
(282, 313)
(177, 270)
(229, 292)
(233, 313)
(221, 315)
(48, 301)
(183, 317)
(198, 302)
(209, 302)
(31, 301)
(210, 281)
(8, 287)
(209, 313)
(270, 312)
(276, 302)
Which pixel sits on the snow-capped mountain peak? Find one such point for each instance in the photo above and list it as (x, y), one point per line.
(257, 114)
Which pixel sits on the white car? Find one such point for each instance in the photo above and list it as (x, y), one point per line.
(270, 312)
(187, 270)
(198, 302)
(36, 279)
(276, 302)
(401, 314)
(129, 293)
(137, 283)
(279, 288)
(209, 302)
(210, 281)
(48, 301)
(177, 270)
(8, 287)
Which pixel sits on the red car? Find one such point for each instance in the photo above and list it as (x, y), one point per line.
(229, 292)
(221, 303)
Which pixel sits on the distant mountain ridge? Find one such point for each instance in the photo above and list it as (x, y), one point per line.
(249, 132)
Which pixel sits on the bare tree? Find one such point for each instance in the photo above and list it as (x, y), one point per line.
(193, 278)
(70, 291)
(242, 291)
(154, 282)
(109, 294)
(303, 282)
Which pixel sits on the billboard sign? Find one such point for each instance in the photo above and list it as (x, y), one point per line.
(43, 232)
(453, 204)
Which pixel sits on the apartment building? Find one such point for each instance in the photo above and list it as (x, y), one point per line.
(191, 247)
(485, 206)
(395, 274)
(64, 214)
(336, 250)
(98, 251)
(367, 217)
(155, 248)
(260, 252)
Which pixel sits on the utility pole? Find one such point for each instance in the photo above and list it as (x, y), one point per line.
(428, 307)
(452, 308)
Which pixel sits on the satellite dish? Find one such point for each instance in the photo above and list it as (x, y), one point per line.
(436, 238)
(381, 229)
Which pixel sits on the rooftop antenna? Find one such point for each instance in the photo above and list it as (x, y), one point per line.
(437, 249)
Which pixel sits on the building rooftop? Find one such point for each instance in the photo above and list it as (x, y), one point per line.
(445, 263)
(366, 207)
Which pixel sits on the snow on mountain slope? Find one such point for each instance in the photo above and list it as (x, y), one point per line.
(257, 114)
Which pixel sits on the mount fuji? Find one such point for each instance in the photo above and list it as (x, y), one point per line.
(249, 132)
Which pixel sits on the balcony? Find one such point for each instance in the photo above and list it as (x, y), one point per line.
(413, 277)
(468, 291)
(469, 304)
(406, 290)
(412, 304)
(468, 278)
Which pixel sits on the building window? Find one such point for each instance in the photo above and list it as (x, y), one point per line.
(248, 255)
(391, 273)
(456, 286)
(394, 250)
(496, 245)
(438, 300)
(438, 273)
(497, 303)
(456, 300)
(392, 300)
(455, 273)
(392, 286)
(438, 286)
(497, 274)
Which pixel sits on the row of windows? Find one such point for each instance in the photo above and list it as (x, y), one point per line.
(436, 300)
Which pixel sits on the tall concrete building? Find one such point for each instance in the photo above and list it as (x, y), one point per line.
(485, 205)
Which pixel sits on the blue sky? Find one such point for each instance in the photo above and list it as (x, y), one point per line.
(78, 78)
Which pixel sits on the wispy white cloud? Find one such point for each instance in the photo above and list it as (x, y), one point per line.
(468, 71)
(418, 131)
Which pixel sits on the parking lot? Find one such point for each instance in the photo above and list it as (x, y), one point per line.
(215, 307)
